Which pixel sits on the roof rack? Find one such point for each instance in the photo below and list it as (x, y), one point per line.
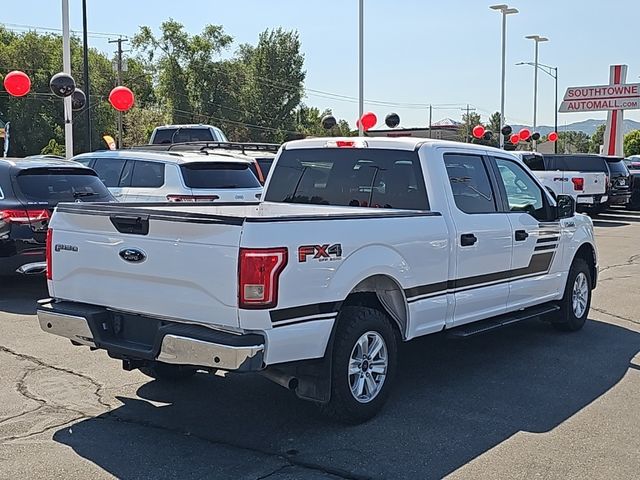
(203, 146)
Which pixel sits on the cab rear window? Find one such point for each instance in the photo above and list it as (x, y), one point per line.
(180, 135)
(218, 175)
(61, 185)
(355, 177)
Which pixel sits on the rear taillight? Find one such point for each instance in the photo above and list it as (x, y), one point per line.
(192, 198)
(24, 216)
(578, 183)
(258, 275)
(49, 250)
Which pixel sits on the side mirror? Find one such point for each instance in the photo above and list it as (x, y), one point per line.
(565, 206)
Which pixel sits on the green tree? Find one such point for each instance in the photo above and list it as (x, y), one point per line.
(309, 123)
(573, 142)
(494, 124)
(53, 148)
(468, 122)
(632, 143)
(273, 85)
(597, 139)
(139, 123)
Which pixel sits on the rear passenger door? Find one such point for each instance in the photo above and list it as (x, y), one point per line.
(536, 238)
(147, 182)
(110, 171)
(483, 242)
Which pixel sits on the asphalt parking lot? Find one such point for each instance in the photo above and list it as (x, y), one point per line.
(521, 402)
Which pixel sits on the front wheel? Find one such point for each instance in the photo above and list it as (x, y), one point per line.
(364, 365)
(574, 306)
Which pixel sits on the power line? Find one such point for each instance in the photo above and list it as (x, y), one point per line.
(19, 28)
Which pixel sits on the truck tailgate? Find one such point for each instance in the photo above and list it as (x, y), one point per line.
(184, 267)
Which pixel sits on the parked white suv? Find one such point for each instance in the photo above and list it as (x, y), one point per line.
(141, 176)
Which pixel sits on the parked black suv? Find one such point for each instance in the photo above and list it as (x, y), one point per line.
(618, 177)
(30, 188)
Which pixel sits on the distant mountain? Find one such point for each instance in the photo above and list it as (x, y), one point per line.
(586, 126)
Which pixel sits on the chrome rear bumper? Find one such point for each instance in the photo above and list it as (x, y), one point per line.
(174, 349)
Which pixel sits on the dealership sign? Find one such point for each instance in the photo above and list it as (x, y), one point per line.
(601, 97)
(613, 98)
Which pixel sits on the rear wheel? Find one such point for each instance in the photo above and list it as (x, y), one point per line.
(168, 372)
(364, 365)
(574, 306)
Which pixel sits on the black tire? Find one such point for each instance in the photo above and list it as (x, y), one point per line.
(567, 320)
(598, 209)
(167, 372)
(353, 323)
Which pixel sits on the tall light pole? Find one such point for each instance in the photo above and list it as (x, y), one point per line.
(87, 89)
(505, 10)
(537, 39)
(553, 73)
(360, 66)
(66, 68)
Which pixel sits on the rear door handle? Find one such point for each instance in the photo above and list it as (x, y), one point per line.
(468, 239)
(521, 235)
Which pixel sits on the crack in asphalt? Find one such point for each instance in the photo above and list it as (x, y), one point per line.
(276, 471)
(110, 415)
(619, 317)
(632, 260)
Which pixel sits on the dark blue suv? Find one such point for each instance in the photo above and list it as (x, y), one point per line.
(30, 189)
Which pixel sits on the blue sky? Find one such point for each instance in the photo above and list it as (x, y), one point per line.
(417, 51)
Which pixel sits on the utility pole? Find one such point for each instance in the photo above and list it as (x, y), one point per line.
(360, 66)
(430, 118)
(469, 109)
(66, 68)
(119, 53)
(87, 89)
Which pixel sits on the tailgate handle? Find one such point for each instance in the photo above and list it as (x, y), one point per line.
(135, 225)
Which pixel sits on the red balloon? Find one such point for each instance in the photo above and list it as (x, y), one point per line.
(369, 120)
(524, 133)
(478, 131)
(17, 83)
(121, 98)
(553, 136)
(515, 138)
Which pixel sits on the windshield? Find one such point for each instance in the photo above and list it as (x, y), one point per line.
(180, 135)
(218, 175)
(61, 185)
(579, 163)
(349, 177)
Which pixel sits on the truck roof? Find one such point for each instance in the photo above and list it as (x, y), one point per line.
(395, 143)
(169, 157)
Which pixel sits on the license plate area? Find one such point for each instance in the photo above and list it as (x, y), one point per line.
(587, 200)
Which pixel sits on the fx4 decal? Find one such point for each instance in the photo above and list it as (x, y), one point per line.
(322, 253)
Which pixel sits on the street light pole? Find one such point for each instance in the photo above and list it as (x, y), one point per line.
(360, 66)
(553, 73)
(87, 88)
(66, 68)
(505, 10)
(537, 39)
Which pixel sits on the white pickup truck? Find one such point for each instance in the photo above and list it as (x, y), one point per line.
(588, 188)
(358, 246)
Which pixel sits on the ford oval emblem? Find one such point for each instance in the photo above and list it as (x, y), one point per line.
(133, 255)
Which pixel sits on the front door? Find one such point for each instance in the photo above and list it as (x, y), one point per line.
(483, 242)
(536, 239)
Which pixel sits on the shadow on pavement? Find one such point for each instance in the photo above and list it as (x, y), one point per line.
(597, 222)
(19, 294)
(453, 401)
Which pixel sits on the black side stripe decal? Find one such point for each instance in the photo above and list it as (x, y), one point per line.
(304, 311)
(545, 247)
(314, 319)
(539, 263)
(547, 240)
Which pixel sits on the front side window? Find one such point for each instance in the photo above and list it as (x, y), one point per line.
(470, 183)
(523, 193)
(109, 170)
(147, 174)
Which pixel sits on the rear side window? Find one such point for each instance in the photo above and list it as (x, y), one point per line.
(147, 174)
(61, 185)
(470, 183)
(265, 165)
(534, 162)
(109, 170)
(349, 177)
(218, 175)
(180, 135)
